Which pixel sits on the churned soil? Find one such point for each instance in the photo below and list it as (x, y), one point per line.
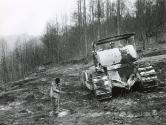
(27, 102)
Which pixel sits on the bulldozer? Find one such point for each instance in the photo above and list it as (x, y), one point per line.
(116, 65)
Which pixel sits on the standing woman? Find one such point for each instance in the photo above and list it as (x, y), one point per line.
(55, 95)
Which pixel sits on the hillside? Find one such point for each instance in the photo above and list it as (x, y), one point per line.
(27, 101)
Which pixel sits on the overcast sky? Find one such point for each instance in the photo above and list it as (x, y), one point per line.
(30, 16)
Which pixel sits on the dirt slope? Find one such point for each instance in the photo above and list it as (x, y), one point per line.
(27, 102)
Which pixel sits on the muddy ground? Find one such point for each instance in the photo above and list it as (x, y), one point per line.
(27, 102)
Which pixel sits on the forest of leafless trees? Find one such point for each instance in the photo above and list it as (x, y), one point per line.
(92, 20)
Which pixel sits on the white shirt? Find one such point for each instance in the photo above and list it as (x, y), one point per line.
(55, 90)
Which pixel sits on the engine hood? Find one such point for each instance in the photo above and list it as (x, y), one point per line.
(109, 57)
(116, 55)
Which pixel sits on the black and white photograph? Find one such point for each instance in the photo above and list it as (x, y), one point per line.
(82, 62)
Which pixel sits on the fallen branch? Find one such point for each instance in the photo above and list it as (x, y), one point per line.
(17, 91)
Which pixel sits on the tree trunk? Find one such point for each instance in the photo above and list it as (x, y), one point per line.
(85, 30)
(118, 18)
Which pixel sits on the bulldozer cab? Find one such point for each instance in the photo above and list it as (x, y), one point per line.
(109, 51)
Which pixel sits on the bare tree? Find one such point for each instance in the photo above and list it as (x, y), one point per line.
(4, 69)
(85, 30)
(118, 17)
